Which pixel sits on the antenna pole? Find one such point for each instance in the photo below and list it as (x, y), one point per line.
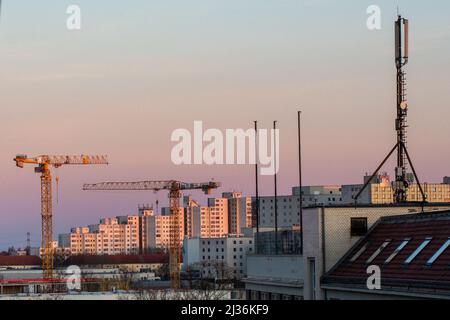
(256, 178)
(28, 250)
(401, 183)
(401, 59)
(275, 184)
(300, 180)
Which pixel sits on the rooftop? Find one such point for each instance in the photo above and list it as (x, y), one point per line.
(412, 251)
(20, 261)
(435, 206)
(117, 259)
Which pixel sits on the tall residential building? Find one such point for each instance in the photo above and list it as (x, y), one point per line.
(147, 230)
(192, 215)
(157, 228)
(239, 212)
(111, 236)
(289, 206)
(214, 220)
(226, 215)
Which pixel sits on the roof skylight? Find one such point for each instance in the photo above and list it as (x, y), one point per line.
(397, 251)
(418, 250)
(376, 253)
(359, 253)
(438, 253)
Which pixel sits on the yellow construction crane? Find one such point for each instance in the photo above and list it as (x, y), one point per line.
(174, 188)
(43, 164)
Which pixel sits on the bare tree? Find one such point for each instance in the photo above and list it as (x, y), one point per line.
(201, 294)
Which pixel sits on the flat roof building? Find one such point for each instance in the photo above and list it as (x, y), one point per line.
(289, 206)
(380, 191)
(223, 258)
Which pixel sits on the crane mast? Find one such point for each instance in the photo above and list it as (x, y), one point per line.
(174, 188)
(43, 164)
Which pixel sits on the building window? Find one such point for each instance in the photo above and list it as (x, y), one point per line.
(358, 227)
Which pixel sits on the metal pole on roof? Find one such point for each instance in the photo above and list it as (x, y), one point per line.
(300, 181)
(256, 178)
(275, 184)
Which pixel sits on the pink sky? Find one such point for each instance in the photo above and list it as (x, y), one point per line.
(111, 90)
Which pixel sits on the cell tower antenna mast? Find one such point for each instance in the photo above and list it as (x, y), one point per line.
(401, 59)
(401, 183)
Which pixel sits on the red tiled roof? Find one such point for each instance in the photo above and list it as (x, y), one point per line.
(117, 259)
(20, 261)
(396, 273)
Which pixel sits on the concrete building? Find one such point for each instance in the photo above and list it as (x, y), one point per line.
(214, 221)
(40, 251)
(140, 233)
(111, 236)
(239, 212)
(274, 277)
(380, 191)
(19, 263)
(224, 257)
(157, 228)
(192, 217)
(23, 274)
(289, 206)
(129, 263)
(226, 215)
(328, 233)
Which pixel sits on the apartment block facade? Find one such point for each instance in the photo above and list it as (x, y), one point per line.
(288, 207)
(239, 212)
(138, 233)
(380, 191)
(157, 228)
(110, 237)
(222, 216)
(224, 257)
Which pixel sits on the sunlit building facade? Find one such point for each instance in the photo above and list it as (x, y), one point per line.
(111, 236)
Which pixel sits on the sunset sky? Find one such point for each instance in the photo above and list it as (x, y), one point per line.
(140, 69)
